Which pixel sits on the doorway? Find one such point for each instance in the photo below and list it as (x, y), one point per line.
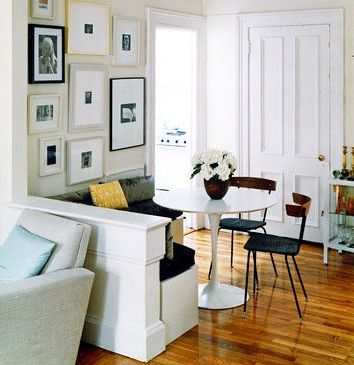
(176, 76)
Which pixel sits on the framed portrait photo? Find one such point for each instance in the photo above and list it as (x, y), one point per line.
(86, 97)
(46, 59)
(88, 28)
(51, 156)
(127, 113)
(43, 9)
(126, 41)
(84, 160)
(44, 113)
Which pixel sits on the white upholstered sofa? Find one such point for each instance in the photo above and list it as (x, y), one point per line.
(42, 317)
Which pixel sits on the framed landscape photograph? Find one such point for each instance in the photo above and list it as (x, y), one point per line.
(127, 113)
(51, 156)
(46, 59)
(86, 97)
(126, 40)
(43, 9)
(44, 113)
(84, 160)
(88, 28)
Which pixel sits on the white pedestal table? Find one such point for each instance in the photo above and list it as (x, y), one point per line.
(215, 295)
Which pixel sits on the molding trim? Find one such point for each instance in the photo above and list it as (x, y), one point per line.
(155, 18)
(141, 343)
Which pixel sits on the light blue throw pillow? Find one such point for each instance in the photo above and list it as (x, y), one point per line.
(23, 255)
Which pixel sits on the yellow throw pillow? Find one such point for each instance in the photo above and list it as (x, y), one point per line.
(108, 195)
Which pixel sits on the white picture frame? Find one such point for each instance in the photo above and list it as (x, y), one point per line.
(84, 160)
(86, 97)
(51, 155)
(126, 41)
(88, 28)
(44, 113)
(127, 118)
(43, 9)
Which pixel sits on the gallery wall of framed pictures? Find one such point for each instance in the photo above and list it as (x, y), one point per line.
(83, 103)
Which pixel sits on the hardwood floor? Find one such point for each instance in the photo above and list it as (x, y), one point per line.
(271, 333)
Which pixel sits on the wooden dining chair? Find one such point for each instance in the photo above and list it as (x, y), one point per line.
(247, 225)
(281, 246)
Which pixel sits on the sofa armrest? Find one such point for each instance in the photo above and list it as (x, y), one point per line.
(41, 318)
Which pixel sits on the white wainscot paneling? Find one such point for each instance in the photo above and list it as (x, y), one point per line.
(275, 213)
(309, 185)
(272, 96)
(306, 96)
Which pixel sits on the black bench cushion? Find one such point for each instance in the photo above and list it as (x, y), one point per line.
(151, 208)
(183, 259)
(274, 244)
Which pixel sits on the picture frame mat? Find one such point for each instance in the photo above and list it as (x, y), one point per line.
(127, 135)
(74, 154)
(74, 98)
(73, 27)
(131, 26)
(41, 14)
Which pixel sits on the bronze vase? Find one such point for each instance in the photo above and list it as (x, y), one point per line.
(215, 188)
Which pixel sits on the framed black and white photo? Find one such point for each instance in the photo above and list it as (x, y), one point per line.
(125, 41)
(86, 97)
(43, 9)
(46, 59)
(84, 160)
(127, 113)
(88, 28)
(51, 156)
(44, 113)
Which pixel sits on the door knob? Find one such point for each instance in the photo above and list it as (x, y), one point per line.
(321, 157)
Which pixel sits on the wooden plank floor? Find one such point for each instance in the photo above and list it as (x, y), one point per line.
(271, 333)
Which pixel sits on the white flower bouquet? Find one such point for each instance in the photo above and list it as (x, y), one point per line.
(214, 165)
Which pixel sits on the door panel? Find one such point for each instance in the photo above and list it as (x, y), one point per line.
(289, 118)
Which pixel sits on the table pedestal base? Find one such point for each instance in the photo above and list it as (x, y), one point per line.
(220, 296)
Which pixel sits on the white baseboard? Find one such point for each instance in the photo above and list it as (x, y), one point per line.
(141, 344)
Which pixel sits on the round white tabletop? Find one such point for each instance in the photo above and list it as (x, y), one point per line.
(214, 295)
(196, 200)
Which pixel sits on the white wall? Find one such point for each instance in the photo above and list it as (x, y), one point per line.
(114, 161)
(223, 83)
(13, 84)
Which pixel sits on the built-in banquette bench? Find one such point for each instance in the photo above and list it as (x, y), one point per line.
(140, 301)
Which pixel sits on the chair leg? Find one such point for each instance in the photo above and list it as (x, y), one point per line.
(293, 288)
(210, 268)
(232, 248)
(300, 278)
(246, 285)
(271, 256)
(274, 267)
(255, 272)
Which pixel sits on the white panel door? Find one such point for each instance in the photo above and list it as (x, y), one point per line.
(289, 118)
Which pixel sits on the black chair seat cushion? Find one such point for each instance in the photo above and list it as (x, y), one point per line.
(242, 225)
(183, 259)
(151, 208)
(273, 244)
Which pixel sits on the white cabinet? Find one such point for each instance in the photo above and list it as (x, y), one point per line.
(340, 233)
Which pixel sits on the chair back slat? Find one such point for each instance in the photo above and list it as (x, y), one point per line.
(253, 183)
(300, 210)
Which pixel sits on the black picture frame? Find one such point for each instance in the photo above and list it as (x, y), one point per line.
(117, 113)
(58, 50)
